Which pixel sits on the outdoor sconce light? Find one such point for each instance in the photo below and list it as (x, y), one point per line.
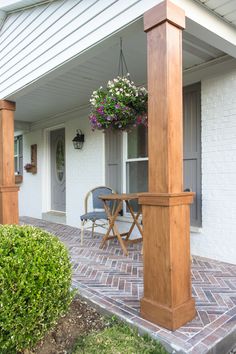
(78, 140)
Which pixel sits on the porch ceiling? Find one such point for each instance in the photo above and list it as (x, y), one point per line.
(70, 86)
(226, 9)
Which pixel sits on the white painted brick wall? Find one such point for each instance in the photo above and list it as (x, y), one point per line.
(218, 237)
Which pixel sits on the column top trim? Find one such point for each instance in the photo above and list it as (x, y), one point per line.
(166, 11)
(166, 199)
(7, 105)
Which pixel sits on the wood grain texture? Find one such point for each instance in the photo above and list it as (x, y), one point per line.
(166, 199)
(165, 139)
(8, 105)
(165, 11)
(167, 297)
(167, 278)
(8, 189)
(9, 205)
(7, 176)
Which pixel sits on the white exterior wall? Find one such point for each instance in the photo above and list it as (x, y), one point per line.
(30, 195)
(218, 237)
(84, 170)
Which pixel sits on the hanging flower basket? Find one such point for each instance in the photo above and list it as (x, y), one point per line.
(119, 106)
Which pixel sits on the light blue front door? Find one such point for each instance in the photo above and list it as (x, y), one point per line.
(58, 172)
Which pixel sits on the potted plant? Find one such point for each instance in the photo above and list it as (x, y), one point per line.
(119, 106)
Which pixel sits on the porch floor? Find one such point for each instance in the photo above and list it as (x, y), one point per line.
(114, 283)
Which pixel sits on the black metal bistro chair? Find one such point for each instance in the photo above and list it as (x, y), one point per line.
(97, 217)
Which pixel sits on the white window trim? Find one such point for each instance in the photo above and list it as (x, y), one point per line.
(125, 159)
(17, 155)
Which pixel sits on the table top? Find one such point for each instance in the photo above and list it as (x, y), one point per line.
(116, 196)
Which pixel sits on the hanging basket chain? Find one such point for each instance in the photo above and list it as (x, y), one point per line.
(122, 62)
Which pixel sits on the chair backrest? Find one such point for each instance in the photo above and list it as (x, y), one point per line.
(96, 192)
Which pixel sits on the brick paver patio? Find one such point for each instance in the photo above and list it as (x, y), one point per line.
(114, 282)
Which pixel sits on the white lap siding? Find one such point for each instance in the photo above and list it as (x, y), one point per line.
(35, 41)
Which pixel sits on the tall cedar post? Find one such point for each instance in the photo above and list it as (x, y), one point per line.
(167, 298)
(8, 189)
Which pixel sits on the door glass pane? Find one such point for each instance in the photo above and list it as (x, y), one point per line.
(60, 160)
(137, 142)
(136, 178)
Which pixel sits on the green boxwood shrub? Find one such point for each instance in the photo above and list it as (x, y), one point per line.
(35, 282)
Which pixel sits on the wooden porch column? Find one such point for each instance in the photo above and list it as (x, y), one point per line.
(8, 189)
(167, 298)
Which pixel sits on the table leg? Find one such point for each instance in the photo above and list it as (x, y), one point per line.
(111, 219)
(113, 227)
(135, 220)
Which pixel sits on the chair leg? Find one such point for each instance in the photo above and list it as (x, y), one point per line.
(82, 232)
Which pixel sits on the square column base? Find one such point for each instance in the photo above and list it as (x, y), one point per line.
(167, 297)
(9, 205)
(170, 318)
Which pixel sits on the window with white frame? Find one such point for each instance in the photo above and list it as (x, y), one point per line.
(136, 161)
(127, 163)
(18, 154)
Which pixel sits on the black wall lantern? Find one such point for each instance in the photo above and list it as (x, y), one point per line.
(78, 140)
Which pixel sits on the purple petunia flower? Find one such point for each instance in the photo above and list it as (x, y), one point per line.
(139, 120)
(100, 110)
(93, 119)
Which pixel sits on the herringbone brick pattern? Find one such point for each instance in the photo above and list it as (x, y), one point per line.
(115, 283)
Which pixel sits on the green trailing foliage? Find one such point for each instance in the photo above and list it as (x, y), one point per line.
(35, 283)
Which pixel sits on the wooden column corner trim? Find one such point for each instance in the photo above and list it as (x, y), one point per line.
(166, 199)
(8, 190)
(165, 11)
(12, 188)
(7, 105)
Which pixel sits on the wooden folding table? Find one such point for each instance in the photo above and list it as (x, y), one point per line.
(113, 204)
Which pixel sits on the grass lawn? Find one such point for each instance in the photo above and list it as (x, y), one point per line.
(119, 338)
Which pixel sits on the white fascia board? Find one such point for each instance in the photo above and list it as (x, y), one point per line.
(207, 26)
(215, 67)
